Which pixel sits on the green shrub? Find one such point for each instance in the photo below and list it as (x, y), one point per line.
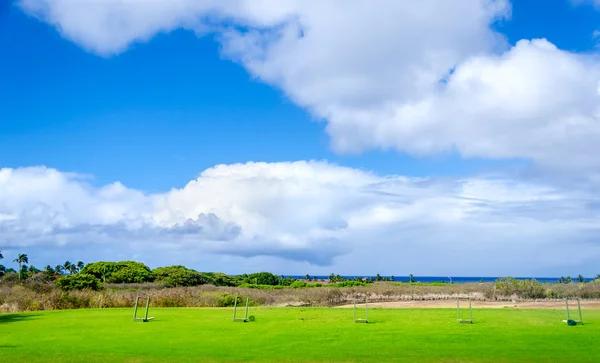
(349, 284)
(261, 287)
(227, 300)
(119, 272)
(298, 284)
(262, 278)
(79, 281)
(287, 281)
(528, 289)
(438, 283)
(180, 276)
(221, 279)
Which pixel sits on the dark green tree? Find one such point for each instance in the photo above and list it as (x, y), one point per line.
(79, 281)
(263, 278)
(411, 278)
(180, 276)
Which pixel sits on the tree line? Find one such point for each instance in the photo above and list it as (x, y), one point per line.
(93, 275)
(26, 271)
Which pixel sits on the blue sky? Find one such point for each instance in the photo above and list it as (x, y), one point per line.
(152, 115)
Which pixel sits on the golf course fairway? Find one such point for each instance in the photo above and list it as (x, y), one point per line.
(298, 335)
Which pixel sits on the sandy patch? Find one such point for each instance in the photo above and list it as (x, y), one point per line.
(479, 304)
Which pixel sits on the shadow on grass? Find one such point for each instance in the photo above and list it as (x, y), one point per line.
(15, 318)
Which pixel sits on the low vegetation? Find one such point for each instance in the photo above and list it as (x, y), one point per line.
(116, 284)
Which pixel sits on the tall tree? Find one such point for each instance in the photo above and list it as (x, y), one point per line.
(67, 266)
(59, 269)
(1, 257)
(21, 259)
(80, 266)
(72, 269)
(49, 271)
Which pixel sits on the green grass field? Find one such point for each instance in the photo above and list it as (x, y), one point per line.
(298, 335)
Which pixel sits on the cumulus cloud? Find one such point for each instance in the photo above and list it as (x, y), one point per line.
(423, 77)
(314, 215)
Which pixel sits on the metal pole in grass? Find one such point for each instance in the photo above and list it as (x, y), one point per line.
(246, 315)
(135, 308)
(579, 307)
(458, 310)
(234, 307)
(567, 304)
(355, 309)
(147, 307)
(367, 308)
(470, 311)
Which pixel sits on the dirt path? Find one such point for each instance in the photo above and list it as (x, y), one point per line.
(479, 304)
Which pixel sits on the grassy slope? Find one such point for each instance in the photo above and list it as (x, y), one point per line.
(297, 335)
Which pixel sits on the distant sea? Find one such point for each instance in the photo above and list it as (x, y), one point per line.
(448, 279)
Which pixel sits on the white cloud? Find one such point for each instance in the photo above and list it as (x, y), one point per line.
(422, 77)
(335, 218)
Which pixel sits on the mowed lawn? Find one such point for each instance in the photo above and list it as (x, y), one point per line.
(298, 335)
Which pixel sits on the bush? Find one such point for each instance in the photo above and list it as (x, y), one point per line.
(527, 289)
(298, 284)
(180, 276)
(79, 281)
(349, 284)
(262, 278)
(287, 281)
(261, 287)
(221, 279)
(119, 272)
(227, 300)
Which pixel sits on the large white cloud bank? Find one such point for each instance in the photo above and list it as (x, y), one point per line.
(423, 77)
(308, 216)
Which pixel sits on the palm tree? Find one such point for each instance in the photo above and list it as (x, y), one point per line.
(2, 270)
(49, 271)
(21, 259)
(1, 257)
(67, 266)
(59, 269)
(72, 269)
(80, 266)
